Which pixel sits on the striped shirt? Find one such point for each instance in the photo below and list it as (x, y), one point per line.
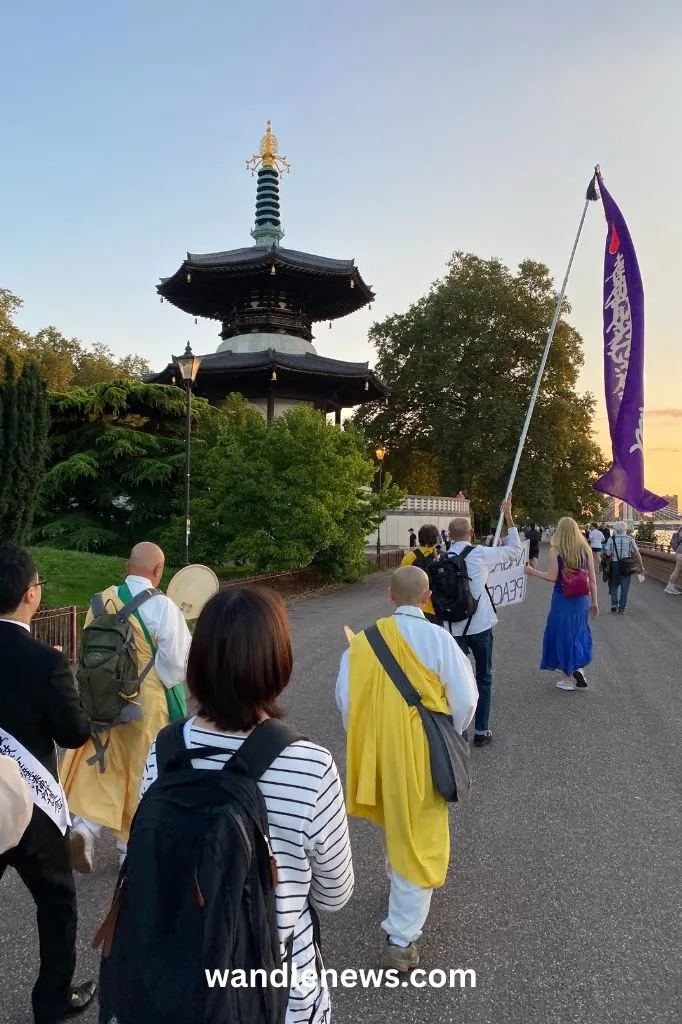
(309, 838)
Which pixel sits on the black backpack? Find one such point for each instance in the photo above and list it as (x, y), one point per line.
(450, 591)
(197, 892)
(423, 561)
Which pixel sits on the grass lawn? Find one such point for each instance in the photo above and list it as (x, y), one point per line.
(74, 576)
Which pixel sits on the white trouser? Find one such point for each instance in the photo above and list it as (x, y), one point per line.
(408, 907)
(96, 830)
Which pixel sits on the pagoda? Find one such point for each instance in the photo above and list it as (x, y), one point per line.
(267, 299)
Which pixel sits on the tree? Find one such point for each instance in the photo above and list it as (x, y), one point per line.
(647, 531)
(115, 465)
(462, 363)
(11, 337)
(24, 422)
(66, 363)
(285, 494)
(63, 363)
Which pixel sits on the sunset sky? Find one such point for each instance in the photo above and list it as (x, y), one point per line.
(412, 129)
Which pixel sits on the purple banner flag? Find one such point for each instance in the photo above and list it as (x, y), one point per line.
(624, 364)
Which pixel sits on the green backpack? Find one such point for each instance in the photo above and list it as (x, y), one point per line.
(107, 676)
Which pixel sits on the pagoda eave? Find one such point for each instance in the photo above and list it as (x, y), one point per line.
(328, 383)
(210, 285)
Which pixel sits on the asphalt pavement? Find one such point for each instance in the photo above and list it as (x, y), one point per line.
(564, 892)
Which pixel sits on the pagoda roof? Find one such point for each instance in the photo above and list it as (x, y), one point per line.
(210, 284)
(306, 377)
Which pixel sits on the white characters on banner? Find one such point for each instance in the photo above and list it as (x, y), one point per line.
(620, 327)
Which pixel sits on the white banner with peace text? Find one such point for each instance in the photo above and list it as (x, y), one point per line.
(507, 582)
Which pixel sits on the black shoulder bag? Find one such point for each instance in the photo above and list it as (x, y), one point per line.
(449, 751)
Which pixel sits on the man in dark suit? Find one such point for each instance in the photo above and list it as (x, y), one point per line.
(40, 707)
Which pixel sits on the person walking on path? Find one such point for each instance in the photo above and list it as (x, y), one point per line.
(413, 538)
(422, 556)
(239, 663)
(40, 707)
(108, 798)
(476, 635)
(533, 536)
(618, 548)
(388, 768)
(676, 577)
(596, 540)
(567, 643)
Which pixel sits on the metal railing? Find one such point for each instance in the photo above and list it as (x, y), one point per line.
(61, 628)
(385, 560)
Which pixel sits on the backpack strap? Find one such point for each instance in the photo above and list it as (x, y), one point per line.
(463, 555)
(130, 608)
(170, 746)
(134, 603)
(262, 746)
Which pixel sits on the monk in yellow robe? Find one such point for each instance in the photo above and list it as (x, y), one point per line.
(388, 768)
(108, 799)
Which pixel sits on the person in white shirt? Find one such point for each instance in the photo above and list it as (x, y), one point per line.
(390, 782)
(108, 799)
(476, 636)
(673, 587)
(597, 541)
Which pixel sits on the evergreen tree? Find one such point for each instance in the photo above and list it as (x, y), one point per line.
(24, 424)
(115, 465)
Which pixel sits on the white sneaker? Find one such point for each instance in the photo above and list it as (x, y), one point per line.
(82, 843)
(672, 589)
(565, 684)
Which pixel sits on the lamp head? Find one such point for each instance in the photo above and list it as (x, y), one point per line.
(380, 452)
(188, 364)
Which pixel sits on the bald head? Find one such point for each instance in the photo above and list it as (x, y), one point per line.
(460, 529)
(148, 560)
(409, 585)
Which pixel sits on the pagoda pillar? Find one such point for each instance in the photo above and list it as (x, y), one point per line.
(337, 417)
(271, 407)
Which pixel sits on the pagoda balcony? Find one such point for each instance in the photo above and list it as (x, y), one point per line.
(272, 320)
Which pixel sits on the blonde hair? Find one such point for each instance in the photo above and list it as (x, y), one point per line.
(569, 543)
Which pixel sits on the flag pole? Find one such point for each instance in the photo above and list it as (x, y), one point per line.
(590, 197)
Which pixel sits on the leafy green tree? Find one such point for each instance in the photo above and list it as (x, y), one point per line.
(647, 531)
(462, 363)
(63, 363)
(24, 422)
(285, 494)
(115, 465)
(12, 339)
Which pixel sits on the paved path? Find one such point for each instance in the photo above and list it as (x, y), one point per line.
(564, 891)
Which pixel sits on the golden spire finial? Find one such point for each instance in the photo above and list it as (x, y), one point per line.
(267, 155)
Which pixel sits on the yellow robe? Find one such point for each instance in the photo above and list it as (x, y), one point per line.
(388, 770)
(110, 798)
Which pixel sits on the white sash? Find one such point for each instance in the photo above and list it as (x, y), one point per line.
(46, 791)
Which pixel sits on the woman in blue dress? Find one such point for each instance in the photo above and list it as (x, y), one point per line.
(567, 644)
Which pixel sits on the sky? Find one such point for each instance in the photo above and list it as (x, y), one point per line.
(412, 129)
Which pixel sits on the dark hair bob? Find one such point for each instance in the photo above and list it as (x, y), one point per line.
(240, 659)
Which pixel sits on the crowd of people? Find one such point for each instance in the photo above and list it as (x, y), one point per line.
(146, 770)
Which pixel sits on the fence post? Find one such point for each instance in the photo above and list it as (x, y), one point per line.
(73, 631)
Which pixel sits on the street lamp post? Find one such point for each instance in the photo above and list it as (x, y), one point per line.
(380, 452)
(188, 364)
